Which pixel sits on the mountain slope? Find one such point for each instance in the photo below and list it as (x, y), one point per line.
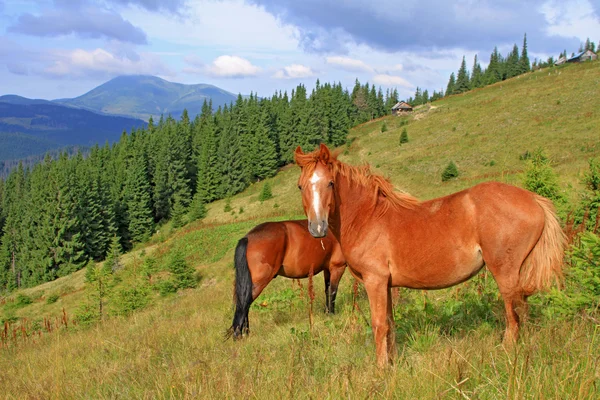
(143, 96)
(31, 128)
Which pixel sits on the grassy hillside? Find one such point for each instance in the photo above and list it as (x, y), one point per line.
(145, 96)
(449, 340)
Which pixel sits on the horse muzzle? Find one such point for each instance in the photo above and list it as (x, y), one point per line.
(318, 229)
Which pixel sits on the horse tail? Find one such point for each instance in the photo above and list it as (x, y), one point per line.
(543, 265)
(243, 290)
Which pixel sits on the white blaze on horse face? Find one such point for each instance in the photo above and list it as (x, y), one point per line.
(316, 197)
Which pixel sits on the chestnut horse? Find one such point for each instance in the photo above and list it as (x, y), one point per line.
(286, 249)
(391, 239)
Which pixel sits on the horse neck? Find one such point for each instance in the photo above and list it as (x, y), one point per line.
(353, 206)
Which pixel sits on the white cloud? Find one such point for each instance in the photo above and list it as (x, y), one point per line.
(391, 80)
(574, 19)
(228, 67)
(294, 71)
(101, 64)
(349, 64)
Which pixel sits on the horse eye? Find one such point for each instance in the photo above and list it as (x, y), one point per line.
(330, 183)
(300, 187)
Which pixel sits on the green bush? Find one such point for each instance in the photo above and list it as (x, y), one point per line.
(227, 206)
(450, 172)
(265, 193)
(384, 127)
(540, 177)
(581, 291)
(166, 287)
(404, 136)
(184, 275)
(22, 300)
(129, 299)
(53, 298)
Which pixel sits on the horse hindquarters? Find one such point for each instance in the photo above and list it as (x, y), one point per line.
(528, 262)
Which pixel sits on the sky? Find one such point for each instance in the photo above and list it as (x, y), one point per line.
(63, 48)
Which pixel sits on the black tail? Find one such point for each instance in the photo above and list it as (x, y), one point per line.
(243, 291)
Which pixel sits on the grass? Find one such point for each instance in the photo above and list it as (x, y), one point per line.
(448, 341)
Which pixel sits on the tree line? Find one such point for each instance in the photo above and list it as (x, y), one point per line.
(57, 215)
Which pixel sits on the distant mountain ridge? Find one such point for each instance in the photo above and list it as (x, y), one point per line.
(142, 96)
(29, 127)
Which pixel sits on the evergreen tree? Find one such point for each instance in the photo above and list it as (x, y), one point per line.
(451, 85)
(139, 209)
(112, 262)
(404, 136)
(265, 193)
(184, 274)
(462, 79)
(451, 171)
(524, 65)
(476, 74)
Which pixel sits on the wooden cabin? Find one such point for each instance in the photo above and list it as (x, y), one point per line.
(401, 107)
(587, 55)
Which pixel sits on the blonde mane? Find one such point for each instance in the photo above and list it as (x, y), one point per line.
(360, 176)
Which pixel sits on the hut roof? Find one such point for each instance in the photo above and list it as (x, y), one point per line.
(402, 105)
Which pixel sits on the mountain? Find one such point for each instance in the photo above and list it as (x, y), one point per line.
(29, 127)
(14, 99)
(142, 96)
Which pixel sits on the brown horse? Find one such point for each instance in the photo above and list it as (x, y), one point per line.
(286, 249)
(391, 239)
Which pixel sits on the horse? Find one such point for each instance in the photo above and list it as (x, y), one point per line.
(286, 249)
(391, 239)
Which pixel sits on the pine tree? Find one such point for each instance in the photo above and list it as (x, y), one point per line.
(112, 262)
(476, 74)
(264, 154)
(513, 65)
(451, 171)
(404, 136)
(139, 210)
(265, 193)
(184, 274)
(462, 79)
(451, 85)
(524, 65)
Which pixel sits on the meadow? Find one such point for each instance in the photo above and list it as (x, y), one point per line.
(449, 341)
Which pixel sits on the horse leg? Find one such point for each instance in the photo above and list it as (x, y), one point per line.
(391, 336)
(507, 278)
(327, 280)
(379, 303)
(336, 274)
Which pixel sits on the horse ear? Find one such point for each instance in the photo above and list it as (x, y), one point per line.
(324, 154)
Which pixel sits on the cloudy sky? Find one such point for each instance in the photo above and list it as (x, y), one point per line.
(63, 48)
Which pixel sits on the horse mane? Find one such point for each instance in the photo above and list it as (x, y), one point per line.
(360, 176)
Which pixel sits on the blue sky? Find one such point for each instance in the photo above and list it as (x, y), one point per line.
(63, 48)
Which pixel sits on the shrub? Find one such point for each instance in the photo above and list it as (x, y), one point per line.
(22, 300)
(404, 136)
(184, 275)
(582, 281)
(384, 127)
(450, 172)
(53, 298)
(166, 287)
(540, 177)
(129, 299)
(227, 206)
(265, 193)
